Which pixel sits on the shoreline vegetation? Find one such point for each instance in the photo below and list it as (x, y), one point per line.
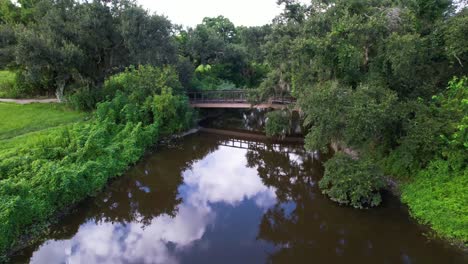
(387, 79)
(53, 170)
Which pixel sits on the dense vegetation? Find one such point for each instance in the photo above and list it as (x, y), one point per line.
(386, 79)
(61, 46)
(278, 123)
(47, 174)
(7, 82)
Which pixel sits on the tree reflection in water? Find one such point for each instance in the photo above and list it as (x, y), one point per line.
(295, 179)
(306, 227)
(130, 200)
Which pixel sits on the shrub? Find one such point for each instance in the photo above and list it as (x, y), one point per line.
(172, 113)
(85, 98)
(437, 196)
(438, 130)
(352, 182)
(278, 123)
(7, 84)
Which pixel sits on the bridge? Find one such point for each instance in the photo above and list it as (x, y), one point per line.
(236, 99)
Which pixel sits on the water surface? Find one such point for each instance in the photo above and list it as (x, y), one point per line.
(220, 199)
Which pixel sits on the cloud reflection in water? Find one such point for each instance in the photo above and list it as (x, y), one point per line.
(220, 177)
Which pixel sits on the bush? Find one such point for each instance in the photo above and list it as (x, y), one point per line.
(438, 130)
(438, 196)
(352, 182)
(136, 82)
(206, 78)
(86, 98)
(278, 123)
(7, 84)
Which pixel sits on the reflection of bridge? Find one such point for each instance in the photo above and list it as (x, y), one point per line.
(236, 99)
(254, 141)
(256, 145)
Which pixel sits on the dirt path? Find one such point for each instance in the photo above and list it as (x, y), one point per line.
(29, 101)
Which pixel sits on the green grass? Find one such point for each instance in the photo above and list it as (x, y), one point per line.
(17, 120)
(7, 81)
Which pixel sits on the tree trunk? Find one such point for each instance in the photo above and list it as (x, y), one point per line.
(59, 91)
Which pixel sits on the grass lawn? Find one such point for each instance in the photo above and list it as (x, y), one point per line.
(17, 120)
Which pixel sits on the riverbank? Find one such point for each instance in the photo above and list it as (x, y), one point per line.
(435, 197)
(36, 234)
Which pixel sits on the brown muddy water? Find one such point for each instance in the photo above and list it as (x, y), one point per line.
(210, 198)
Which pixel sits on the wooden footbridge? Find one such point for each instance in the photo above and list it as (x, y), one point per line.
(236, 99)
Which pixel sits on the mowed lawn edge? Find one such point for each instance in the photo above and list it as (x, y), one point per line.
(17, 120)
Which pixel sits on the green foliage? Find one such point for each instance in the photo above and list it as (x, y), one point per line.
(455, 104)
(143, 81)
(437, 197)
(278, 123)
(372, 75)
(7, 45)
(232, 54)
(52, 171)
(340, 113)
(86, 98)
(137, 82)
(352, 182)
(436, 130)
(206, 78)
(172, 113)
(433, 156)
(456, 49)
(12, 14)
(81, 43)
(7, 84)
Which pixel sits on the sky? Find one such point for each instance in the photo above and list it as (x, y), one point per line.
(192, 12)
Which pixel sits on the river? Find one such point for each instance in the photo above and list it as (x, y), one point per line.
(210, 198)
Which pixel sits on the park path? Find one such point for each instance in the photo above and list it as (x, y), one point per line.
(29, 101)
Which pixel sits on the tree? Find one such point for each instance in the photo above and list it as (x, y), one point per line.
(223, 28)
(77, 44)
(22, 11)
(147, 37)
(365, 72)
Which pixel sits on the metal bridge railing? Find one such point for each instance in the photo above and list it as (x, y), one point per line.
(235, 96)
